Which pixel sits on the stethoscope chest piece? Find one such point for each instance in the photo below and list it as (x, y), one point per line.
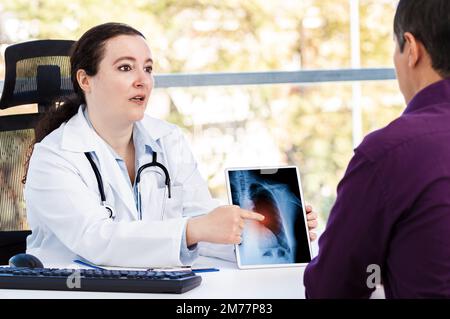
(110, 211)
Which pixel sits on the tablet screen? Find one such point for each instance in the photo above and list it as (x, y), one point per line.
(282, 237)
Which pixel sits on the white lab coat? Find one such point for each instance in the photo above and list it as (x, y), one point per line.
(68, 221)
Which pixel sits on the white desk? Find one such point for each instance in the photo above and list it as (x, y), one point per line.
(229, 282)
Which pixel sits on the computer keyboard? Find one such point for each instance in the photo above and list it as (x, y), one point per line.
(98, 280)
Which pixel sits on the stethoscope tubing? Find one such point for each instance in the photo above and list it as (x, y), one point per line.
(138, 179)
(156, 164)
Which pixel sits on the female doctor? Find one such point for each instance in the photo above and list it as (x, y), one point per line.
(111, 185)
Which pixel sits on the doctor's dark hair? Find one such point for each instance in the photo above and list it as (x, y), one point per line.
(86, 54)
(429, 22)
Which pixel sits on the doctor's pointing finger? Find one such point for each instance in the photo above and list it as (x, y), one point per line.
(223, 225)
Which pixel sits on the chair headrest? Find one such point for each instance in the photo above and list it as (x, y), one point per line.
(36, 72)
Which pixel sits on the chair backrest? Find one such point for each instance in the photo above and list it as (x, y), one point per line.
(37, 72)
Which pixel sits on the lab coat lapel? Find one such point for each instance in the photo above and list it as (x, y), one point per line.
(112, 175)
(80, 137)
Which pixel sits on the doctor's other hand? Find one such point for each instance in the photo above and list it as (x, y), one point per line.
(222, 225)
(311, 218)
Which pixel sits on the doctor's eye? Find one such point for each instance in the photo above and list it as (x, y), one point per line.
(148, 69)
(125, 67)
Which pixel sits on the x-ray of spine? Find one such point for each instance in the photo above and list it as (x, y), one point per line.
(272, 240)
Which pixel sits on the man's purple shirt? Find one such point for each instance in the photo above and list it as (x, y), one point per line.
(392, 210)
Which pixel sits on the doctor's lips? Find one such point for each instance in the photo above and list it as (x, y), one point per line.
(138, 99)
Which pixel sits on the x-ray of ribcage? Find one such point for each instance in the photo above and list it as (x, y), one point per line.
(271, 241)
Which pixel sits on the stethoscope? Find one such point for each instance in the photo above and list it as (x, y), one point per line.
(98, 176)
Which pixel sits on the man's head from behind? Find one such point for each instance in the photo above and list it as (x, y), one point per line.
(422, 36)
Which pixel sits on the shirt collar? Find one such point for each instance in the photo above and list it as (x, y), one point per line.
(436, 93)
(143, 142)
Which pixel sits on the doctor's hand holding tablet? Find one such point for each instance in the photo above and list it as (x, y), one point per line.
(109, 184)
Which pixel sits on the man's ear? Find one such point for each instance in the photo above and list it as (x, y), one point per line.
(414, 49)
(83, 81)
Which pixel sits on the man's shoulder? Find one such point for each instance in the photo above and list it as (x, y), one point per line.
(402, 130)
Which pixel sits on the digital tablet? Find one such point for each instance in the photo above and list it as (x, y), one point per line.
(282, 238)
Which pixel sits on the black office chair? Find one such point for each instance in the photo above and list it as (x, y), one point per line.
(37, 72)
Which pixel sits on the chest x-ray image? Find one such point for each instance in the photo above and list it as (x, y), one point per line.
(282, 237)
